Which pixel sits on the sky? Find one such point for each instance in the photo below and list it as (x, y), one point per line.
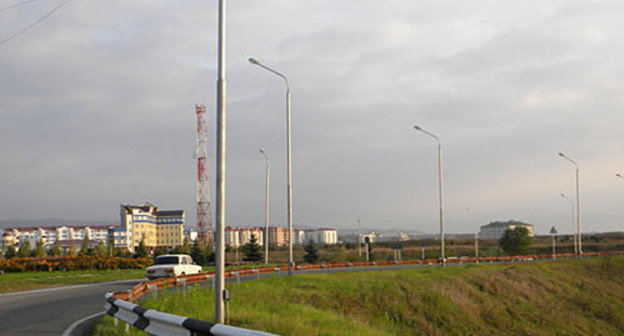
(97, 109)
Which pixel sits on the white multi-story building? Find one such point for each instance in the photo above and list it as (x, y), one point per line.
(65, 235)
(236, 237)
(246, 233)
(325, 236)
(495, 230)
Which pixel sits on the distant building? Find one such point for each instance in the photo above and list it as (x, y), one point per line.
(246, 233)
(235, 237)
(403, 236)
(64, 235)
(145, 222)
(495, 230)
(7, 240)
(325, 236)
(278, 236)
(371, 237)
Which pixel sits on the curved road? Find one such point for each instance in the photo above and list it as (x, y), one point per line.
(52, 311)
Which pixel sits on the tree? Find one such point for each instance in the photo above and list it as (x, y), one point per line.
(40, 250)
(56, 251)
(141, 250)
(186, 247)
(84, 248)
(71, 250)
(516, 241)
(251, 250)
(10, 252)
(160, 251)
(311, 256)
(100, 250)
(197, 253)
(24, 250)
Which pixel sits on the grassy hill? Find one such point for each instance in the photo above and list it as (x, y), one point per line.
(567, 297)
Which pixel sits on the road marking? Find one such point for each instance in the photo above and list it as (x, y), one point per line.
(77, 323)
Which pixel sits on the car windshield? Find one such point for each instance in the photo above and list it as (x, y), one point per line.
(169, 260)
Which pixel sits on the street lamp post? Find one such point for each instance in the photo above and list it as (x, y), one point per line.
(573, 222)
(578, 205)
(266, 206)
(476, 235)
(553, 233)
(291, 263)
(359, 238)
(418, 128)
(220, 292)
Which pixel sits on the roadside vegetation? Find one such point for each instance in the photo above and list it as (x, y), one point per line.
(13, 282)
(563, 297)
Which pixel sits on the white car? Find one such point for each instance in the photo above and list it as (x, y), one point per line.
(171, 265)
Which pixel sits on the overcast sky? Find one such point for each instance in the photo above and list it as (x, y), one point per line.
(97, 109)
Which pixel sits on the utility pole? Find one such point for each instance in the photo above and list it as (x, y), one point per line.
(220, 293)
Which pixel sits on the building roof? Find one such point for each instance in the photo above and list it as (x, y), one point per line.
(166, 213)
(506, 224)
(48, 228)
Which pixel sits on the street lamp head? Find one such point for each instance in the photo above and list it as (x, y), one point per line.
(561, 154)
(253, 61)
(416, 127)
(619, 175)
(261, 150)
(563, 195)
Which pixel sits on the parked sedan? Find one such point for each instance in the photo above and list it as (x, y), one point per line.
(171, 265)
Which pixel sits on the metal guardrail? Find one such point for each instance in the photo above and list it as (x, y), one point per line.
(164, 324)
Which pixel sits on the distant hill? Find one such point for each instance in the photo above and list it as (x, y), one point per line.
(50, 222)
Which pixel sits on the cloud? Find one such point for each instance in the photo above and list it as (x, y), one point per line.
(97, 109)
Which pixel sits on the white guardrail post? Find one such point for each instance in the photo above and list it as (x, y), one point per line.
(162, 324)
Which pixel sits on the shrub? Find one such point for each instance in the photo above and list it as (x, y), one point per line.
(71, 263)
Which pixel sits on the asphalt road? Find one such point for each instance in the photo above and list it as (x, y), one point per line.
(52, 311)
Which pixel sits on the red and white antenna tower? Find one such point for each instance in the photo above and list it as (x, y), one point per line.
(204, 217)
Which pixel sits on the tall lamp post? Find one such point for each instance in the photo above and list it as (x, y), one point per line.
(418, 128)
(266, 206)
(476, 235)
(359, 238)
(573, 221)
(291, 263)
(553, 234)
(220, 293)
(578, 205)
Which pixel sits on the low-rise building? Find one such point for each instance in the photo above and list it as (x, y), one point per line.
(495, 230)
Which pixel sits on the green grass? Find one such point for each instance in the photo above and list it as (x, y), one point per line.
(13, 282)
(568, 297)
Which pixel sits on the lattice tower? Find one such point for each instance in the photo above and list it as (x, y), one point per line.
(204, 215)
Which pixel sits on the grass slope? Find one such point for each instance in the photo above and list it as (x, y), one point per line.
(568, 297)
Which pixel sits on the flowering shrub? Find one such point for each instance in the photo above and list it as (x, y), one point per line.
(49, 264)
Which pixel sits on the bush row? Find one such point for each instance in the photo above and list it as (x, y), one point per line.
(69, 263)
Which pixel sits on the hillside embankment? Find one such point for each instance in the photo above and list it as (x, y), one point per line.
(564, 297)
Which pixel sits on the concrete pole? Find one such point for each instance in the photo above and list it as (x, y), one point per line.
(220, 172)
(266, 207)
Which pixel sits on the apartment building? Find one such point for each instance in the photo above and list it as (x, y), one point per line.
(65, 235)
(278, 236)
(325, 236)
(145, 222)
(236, 237)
